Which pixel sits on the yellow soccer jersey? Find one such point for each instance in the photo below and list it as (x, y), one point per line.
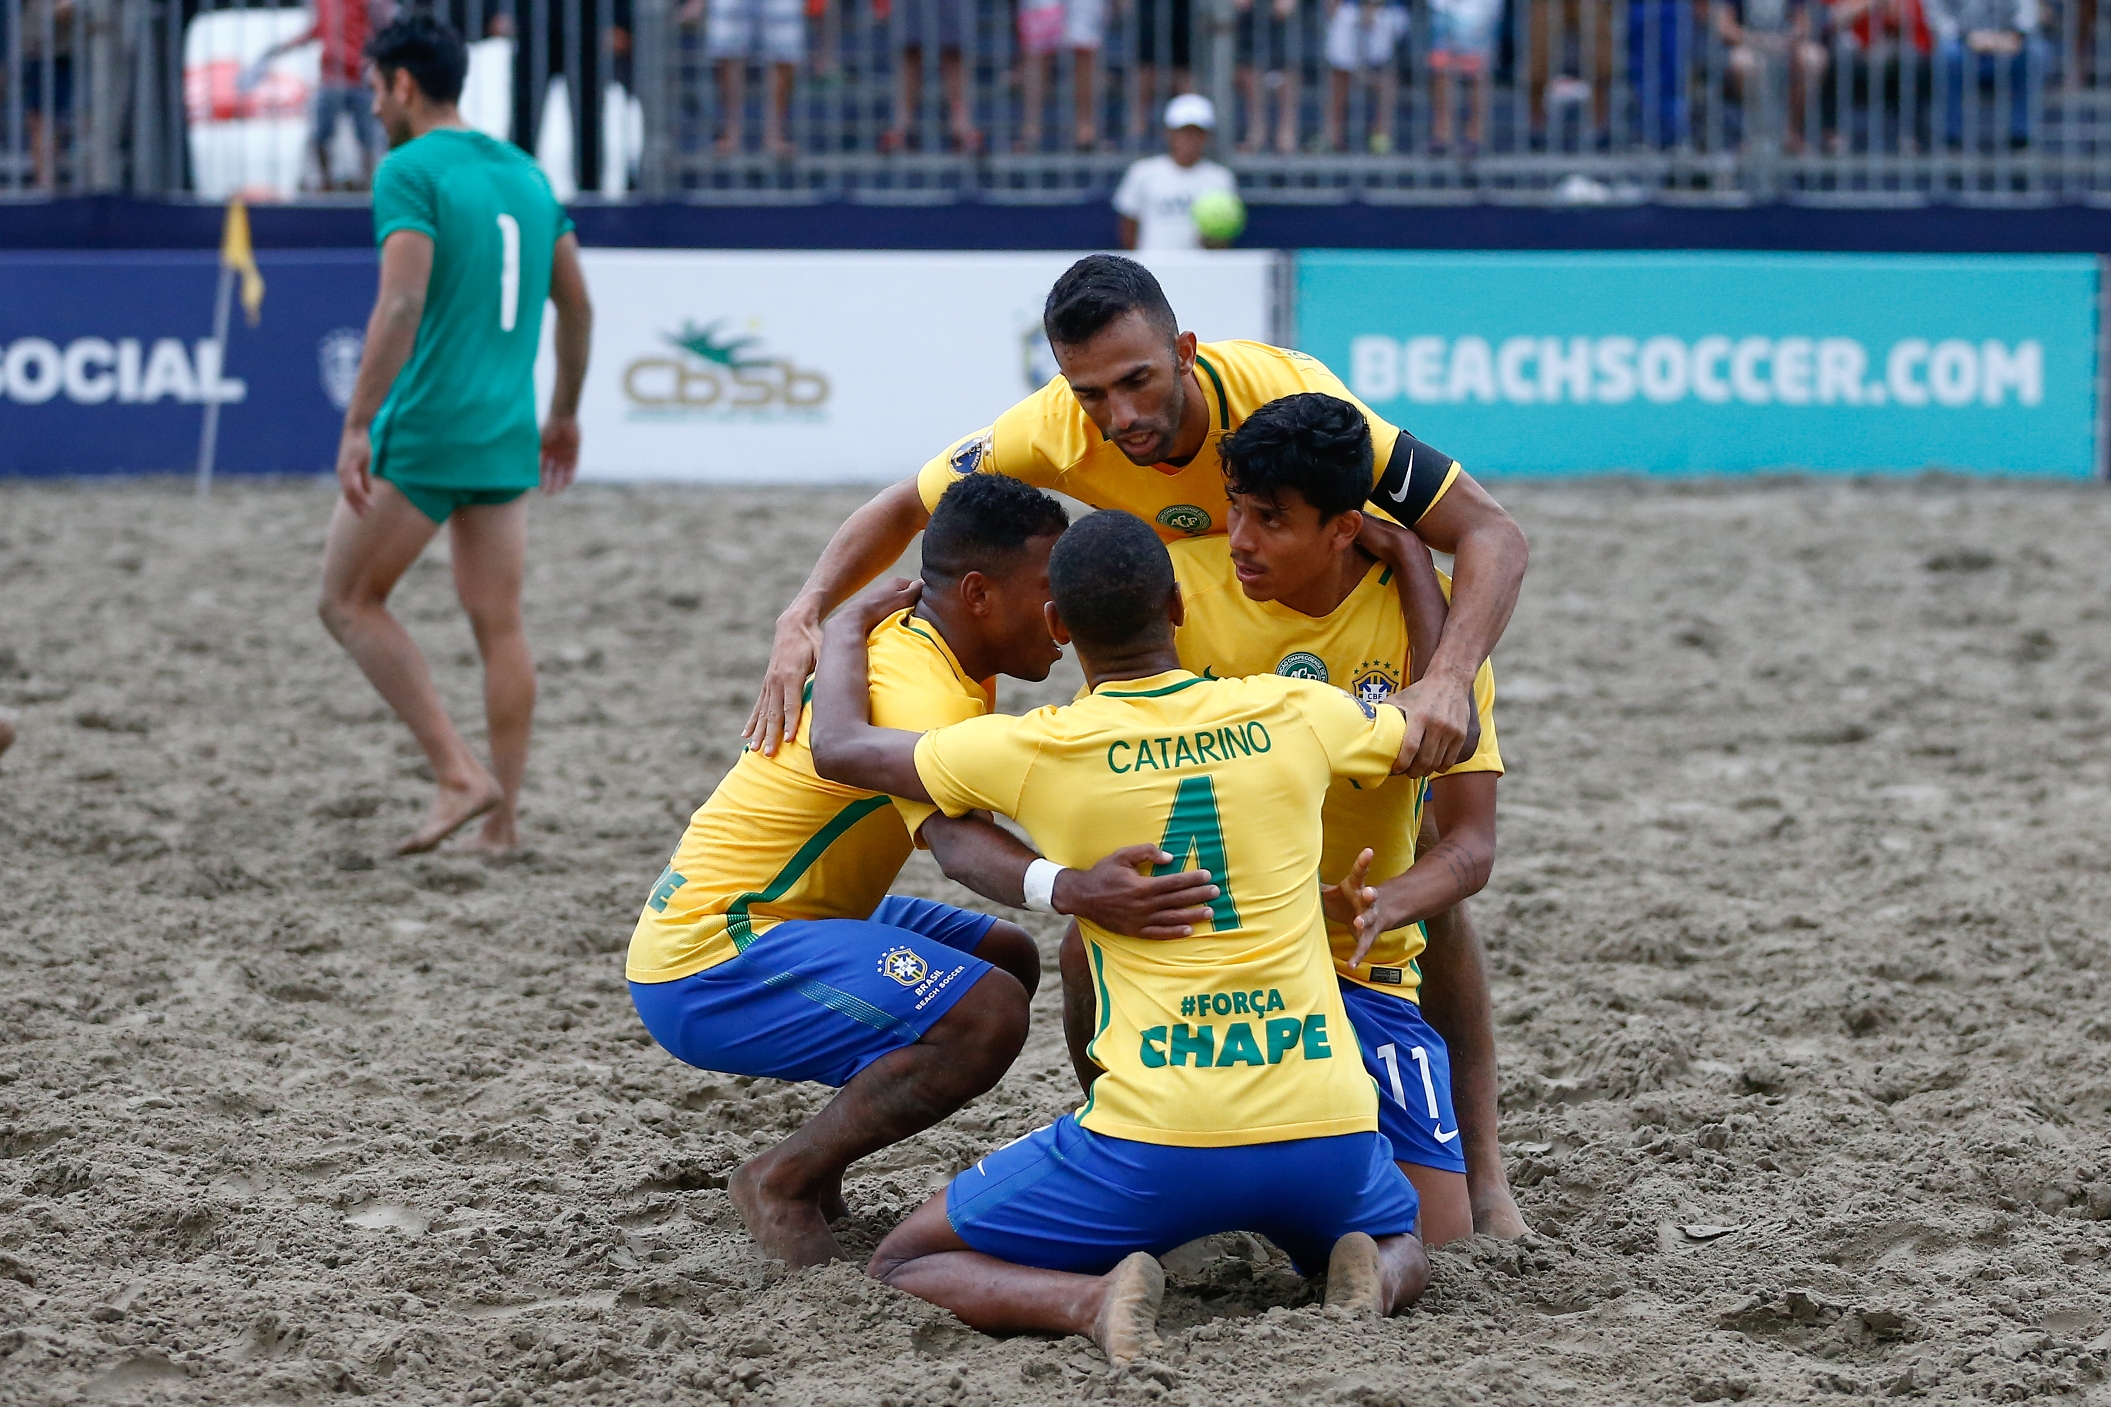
(1360, 646)
(1048, 441)
(1236, 1035)
(775, 841)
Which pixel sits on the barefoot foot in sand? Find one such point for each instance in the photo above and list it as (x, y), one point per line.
(791, 1229)
(455, 806)
(1495, 1214)
(1127, 1326)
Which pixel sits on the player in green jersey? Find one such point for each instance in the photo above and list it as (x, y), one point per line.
(441, 426)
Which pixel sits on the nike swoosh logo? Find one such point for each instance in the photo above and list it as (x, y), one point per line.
(1206, 674)
(1405, 480)
(1443, 1137)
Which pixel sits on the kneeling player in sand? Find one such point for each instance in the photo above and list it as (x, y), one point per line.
(769, 945)
(1260, 1119)
(1290, 590)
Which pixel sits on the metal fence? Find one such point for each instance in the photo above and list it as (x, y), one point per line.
(1856, 102)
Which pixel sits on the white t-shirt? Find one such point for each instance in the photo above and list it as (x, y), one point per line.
(1156, 193)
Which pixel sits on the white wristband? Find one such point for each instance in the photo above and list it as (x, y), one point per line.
(1040, 885)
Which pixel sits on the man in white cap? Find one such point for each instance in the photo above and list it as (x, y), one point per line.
(1156, 193)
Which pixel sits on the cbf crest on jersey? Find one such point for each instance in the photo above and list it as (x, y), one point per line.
(1302, 664)
(904, 965)
(1375, 679)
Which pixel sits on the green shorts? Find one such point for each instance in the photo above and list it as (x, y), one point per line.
(438, 503)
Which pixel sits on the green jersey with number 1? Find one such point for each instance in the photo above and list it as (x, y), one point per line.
(462, 412)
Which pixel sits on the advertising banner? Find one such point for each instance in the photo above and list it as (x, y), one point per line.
(107, 361)
(827, 367)
(718, 367)
(1703, 363)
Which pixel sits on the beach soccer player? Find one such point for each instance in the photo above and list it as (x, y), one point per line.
(769, 945)
(1289, 591)
(1231, 1097)
(441, 425)
(1135, 422)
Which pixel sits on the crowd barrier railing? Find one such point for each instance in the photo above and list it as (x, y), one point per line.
(1433, 102)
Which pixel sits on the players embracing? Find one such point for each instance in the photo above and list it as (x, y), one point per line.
(779, 886)
(1138, 420)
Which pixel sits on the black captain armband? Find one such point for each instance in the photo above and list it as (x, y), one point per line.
(1411, 479)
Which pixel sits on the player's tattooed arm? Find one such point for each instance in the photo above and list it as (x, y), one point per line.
(1115, 894)
(846, 747)
(1489, 555)
(1422, 603)
(1454, 869)
(870, 541)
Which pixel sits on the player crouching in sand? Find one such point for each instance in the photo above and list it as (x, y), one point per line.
(1291, 589)
(1261, 1119)
(769, 946)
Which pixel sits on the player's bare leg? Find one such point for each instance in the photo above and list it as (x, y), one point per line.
(1380, 1276)
(363, 558)
(7, 730)
(1007, 947)
(1013, 949)
(1455, 1001)
(1447, 1209)
(1118, 1311)
(779, 1194)
(490, 558)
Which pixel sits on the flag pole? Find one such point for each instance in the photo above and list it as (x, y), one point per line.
(237, 256)
(209, 436)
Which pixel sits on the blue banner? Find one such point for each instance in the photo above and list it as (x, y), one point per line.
(107, 361)
(1698, 363)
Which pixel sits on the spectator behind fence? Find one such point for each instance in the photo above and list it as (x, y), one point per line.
(1977, 40)
(1553, 26)
(920, 25)
(1270, 59)
(1362, 37)
(1164, 47)
(770, 32)
(1461, 47)
(1774, 62)
(1046, 28)
(341, 94)
(1660, 51)
(1157, 193)
(1887, 44)
(46, 35)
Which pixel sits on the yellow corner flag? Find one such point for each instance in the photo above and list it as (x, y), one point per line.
(236, 254)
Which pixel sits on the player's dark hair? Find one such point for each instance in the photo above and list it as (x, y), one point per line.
(429, 50)
(1110, 577)
(983, 523)
(1313, 444)
(1095, 291)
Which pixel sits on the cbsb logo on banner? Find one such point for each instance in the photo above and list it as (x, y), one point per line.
(714, 374)
(1676, 363)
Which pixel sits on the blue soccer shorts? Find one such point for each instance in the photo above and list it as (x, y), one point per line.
(1408, 1059)
(820, 999)
(1065, 1198)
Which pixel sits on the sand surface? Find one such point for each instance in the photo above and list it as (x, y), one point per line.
(1799, 927)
